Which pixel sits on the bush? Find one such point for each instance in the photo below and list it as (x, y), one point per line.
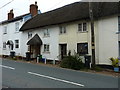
(115, 62)
(72, 62)
(14, 58)
(97, 68)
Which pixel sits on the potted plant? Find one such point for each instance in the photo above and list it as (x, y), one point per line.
(115, 64)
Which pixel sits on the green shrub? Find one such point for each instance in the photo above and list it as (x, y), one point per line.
(14, 58)
(115, 62)
(97, 68)
(72, 62)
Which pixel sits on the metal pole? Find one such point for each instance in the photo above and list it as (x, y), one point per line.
(92, 33)
(45, 61)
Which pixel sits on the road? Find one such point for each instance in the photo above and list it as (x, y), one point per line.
(27, 75)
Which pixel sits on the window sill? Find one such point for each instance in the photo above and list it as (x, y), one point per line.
(46, 36)
(46, 52)
(82, 32)
(62, 33)
(4, 48)
(29, 38)
(17, 32)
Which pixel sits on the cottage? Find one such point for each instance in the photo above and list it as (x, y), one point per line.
(10, 35)
(68, 30)
(64, 31)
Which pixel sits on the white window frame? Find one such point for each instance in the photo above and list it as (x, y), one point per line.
(17, 44)
(82, 48)
(46, 33)
(17, 26)
(81, 27)
(29, 34)
(46, 48)
(4, 45)
(84, 27)
(62, 29)
(5, 30)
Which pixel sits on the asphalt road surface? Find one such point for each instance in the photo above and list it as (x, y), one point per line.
(27, 75)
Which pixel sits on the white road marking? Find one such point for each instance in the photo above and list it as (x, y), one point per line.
(7, 67)
(49, 77)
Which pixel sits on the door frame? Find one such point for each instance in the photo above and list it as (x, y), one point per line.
(63, 50)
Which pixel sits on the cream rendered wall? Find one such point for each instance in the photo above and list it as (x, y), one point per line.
(106, 39)
(72, 37)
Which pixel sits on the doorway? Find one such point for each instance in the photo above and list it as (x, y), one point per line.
(35, 50)
(34, 46)
(93, 57)
(63, 50)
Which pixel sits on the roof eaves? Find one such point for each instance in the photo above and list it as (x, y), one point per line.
(14, 19)
(22, 29)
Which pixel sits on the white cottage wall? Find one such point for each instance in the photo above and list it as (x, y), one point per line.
(1, 45)
(12, 35)
(107, 39)
(52, 40)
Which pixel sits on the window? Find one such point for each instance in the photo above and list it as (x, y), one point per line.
(82, 27)
(46, 48)
(4, 45)
(5, 30)
(29, 35)
(82, 48)
(119, 23)
(62, 29)
(28, 47)
(16, 43)
(17, 27)
(46, 33)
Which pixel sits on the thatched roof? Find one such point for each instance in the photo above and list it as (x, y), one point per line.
(72, 12)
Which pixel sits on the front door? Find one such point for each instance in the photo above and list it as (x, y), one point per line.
(35, 50)
(63, 50)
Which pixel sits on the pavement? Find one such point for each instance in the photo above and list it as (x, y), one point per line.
(28, 75)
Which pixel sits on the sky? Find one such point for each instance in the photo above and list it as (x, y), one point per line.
(21, 7)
